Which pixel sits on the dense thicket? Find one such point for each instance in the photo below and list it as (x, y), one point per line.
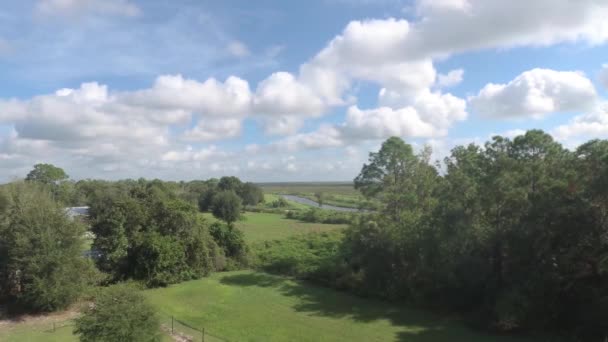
(513, 233)
(150, 234)
(41, 263)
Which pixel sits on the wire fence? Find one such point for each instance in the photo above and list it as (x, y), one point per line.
(186, 331)
(178, 329)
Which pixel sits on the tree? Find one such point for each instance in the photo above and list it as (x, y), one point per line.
(320, 197)
(41, 266)
(47, 174)
(230, 183)
(397, 177)
(227, 206)
(251, 194)
(119, 313)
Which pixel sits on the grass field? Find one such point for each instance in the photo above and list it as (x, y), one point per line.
(41, 330)
(263, 226)
(254, 306)
(33, 332)
(340, 194)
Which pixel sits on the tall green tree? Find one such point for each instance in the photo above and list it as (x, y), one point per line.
(227, 206)
(47, 174)
(42, 267)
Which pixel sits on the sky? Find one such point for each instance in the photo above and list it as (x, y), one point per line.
(288, 90)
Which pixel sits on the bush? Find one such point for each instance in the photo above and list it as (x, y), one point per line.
(119, 313)
(315, 215)
(314, 256)
(232, 241)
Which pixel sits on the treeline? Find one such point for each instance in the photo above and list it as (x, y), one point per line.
(151, 232)
(200, 193)
(512, 234)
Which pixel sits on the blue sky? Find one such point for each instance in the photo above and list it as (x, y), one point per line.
(285, 90)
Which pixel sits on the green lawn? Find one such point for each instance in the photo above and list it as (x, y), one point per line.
(34, 332)
(263, 226)
(254, 306)
(42, 331)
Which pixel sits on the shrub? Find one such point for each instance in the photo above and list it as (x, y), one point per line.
(119, 313)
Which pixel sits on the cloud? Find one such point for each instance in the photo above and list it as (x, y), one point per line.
(211, 97)
(430, 115)
(452, 78)
(536, 93)
(284, 102)
(213, 129)
(604, 76)
(592, 124)
(238, 49)
(189, 154)
(84, 7)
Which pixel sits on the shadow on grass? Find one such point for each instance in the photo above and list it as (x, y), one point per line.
(415, 325)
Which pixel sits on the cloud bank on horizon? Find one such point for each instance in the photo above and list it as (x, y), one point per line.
(124, 88)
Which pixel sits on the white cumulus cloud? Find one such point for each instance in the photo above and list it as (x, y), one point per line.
(536, 93)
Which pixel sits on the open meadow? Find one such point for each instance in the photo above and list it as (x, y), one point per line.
(267, 226)
(255, 306)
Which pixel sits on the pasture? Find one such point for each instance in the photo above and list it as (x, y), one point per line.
(266, 226)
(255, 306)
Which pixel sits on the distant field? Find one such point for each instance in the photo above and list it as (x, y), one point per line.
(346, 188)
(262, 226)
(254, 306)
(341, 194)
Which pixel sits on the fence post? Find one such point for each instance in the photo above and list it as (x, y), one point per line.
(171, 325)
(203, 330)
(54, 327)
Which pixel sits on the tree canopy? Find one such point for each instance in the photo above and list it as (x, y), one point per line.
(41, 265)
(47, 174)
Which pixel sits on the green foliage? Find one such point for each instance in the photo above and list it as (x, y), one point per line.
(226, 206)
(313, 256)
(279, 203)
(512, 232)
(41, 266)
(232, 241)
(316, 215)
(251, 194)
(151, 235)
(46, 174)
(119, 313)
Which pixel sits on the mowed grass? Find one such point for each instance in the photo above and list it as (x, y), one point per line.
(33, 332)
(255, 306)
(42, 330)
(264, 226)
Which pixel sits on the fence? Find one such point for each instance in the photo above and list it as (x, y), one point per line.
(186, 331)
(181, 331)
